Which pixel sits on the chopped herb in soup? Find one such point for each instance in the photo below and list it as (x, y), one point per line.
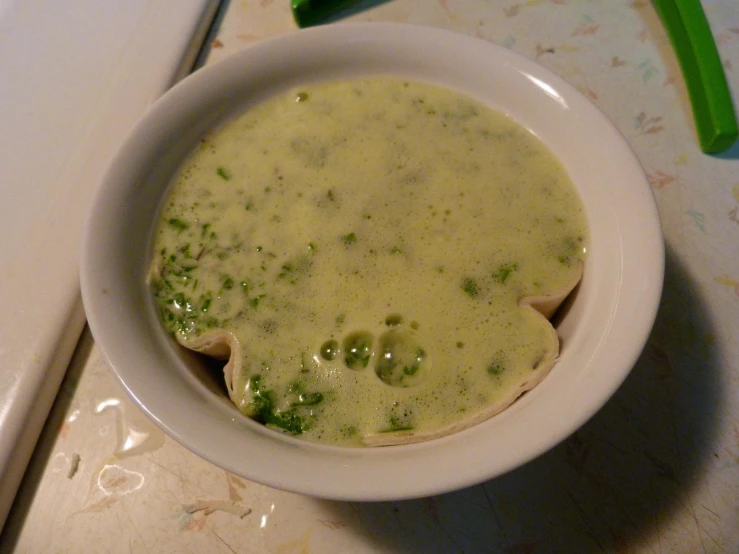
(373, 258)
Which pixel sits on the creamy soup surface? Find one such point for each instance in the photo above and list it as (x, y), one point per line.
(365, 252)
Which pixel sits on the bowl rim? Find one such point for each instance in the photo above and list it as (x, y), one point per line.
(349, 473)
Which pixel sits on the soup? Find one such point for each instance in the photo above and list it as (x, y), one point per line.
(375, 259)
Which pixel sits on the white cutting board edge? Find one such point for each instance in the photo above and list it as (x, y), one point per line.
(74, 78)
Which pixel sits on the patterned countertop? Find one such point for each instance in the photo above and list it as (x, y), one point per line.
(656, 470)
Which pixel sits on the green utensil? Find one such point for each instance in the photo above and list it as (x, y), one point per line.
(313, 12)
(693, 42)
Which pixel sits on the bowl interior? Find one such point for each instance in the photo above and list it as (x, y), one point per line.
(603, 330)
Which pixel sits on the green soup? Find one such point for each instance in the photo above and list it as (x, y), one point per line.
(368, 244)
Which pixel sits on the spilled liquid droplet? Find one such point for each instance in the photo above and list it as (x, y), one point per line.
(73, 416)
(134, 433)
(107, 403)
(265, 517)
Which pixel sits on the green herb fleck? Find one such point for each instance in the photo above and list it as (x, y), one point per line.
(396, 425)
(351, 238)
(262, 409)
(411, 369)
(178, 224)
(496, 368)
(469, 286)
(308, 399)
(223, 173)
(503, 272)
(349, 431)
(393, 320)
(287, 268)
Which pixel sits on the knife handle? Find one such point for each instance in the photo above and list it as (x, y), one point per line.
(312, 12)
(703, 72)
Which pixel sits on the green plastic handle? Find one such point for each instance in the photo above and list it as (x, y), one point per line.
(312, 12)
(693, 42)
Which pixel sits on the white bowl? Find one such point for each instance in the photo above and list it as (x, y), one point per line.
(602, 333)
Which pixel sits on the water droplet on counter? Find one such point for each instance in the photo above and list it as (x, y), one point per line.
(265, 517)
(107, 403)
(134, 433)
(73, 415)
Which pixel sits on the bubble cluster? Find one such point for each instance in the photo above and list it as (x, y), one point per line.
(399, 358)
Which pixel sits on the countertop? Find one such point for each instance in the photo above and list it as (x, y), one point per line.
(656, 470)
